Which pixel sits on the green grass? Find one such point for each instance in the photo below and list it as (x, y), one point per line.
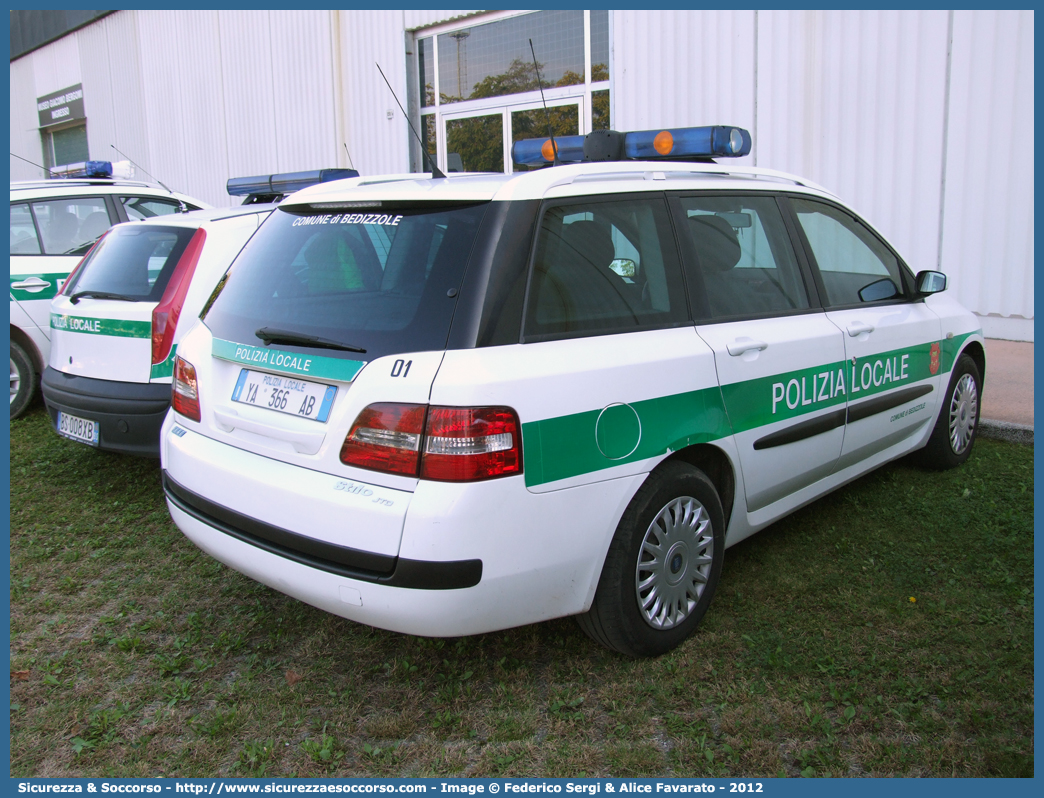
(885, 630)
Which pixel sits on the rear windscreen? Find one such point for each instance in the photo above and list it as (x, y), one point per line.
(380, 281)
(134, 262)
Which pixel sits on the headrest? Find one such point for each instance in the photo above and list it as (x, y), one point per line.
(716, 242)
(94, 225)
(591, 240)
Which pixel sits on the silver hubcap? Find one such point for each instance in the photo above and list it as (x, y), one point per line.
(674, 563)
(16, 381)
(964, 410)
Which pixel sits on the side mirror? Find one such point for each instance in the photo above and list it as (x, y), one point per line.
(623, 267)
(877, 290)
(930, 283)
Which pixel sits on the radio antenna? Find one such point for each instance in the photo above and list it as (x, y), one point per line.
(345, 143)
(435, 171)
(138, 167)
(547, 116)
(46, 171)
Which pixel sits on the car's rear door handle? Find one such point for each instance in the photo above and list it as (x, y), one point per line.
(858, 328)
(33, 284)
(741, 345)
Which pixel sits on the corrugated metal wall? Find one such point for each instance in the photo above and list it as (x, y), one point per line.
(987, 235)
(377, 130)
(681, 68)
(922, 120)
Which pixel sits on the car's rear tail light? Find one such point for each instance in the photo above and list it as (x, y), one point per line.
(165, 315)
(184, 394)
(465, 444)
(68, 282)
(386, 437)
(451, 444)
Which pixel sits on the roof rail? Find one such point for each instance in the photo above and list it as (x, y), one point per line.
(618, 170)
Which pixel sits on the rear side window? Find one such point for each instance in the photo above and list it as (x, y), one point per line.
(604, 267)
(745, 260)
(133, 262)
(24, 240)
(384, 282)
(139, 208)
(854, 265)
(71, 226)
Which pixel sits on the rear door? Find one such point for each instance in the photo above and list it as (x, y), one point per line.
(779, 359)
(110, 338)
(892, 340)
(609, 378)
(48, 239)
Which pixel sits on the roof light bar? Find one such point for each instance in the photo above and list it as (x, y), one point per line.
(285, 183)
(719, 141)
(99, 169)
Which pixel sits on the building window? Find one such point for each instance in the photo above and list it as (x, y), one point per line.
(64, 146)
(478, 92)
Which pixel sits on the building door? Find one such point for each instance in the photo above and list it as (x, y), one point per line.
(480, 141)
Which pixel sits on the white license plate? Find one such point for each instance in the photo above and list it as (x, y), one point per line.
(78, 429)
(285, 394)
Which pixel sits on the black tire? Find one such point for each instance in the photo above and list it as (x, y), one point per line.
(955, 430)
(23, 380)
(617, 620)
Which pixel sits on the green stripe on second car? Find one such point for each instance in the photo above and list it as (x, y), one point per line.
(118, 328)
(166, 368)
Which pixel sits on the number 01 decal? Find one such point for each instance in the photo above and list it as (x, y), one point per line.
(401, 368)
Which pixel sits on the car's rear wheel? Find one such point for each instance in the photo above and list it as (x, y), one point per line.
(23, 380)
(958, 423)
(662, 567)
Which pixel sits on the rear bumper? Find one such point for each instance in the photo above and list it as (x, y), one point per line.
(339, 560)
(129, 414)
(444, 560)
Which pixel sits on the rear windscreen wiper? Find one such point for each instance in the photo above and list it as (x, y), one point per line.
(271, 335)
(75, 298)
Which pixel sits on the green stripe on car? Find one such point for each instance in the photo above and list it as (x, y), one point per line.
(594, 440)
(567, 446)
(117, 328)
(322, 368)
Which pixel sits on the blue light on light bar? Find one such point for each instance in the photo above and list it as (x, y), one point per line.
(719, 141)
(83, 169)
(538, 152)
(285, 183)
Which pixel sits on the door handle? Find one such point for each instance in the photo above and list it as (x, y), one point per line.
(33, 284)
(858, 328)
(741, 345)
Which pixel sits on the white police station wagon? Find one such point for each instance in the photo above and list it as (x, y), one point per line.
(446, 406)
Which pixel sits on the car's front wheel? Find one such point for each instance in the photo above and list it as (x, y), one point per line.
(23, 380)
(955, 430)
(663, 565)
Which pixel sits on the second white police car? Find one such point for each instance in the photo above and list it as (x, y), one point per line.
(116, 323)
(446, 406)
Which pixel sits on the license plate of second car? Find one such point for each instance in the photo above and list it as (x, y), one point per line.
(78, 429)
(284, 394)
